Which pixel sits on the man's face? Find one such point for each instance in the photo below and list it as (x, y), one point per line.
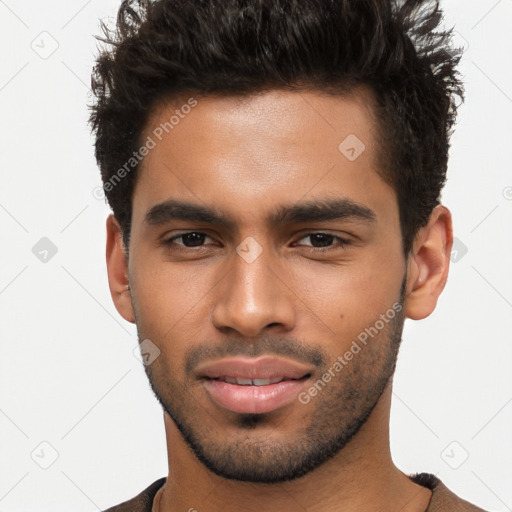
(271, 287)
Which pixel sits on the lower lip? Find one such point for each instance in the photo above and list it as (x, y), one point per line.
(253, 399)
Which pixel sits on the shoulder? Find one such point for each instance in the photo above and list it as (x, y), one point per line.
(442, 498)
(142, 502)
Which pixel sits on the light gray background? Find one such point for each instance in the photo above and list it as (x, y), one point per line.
(68, 376)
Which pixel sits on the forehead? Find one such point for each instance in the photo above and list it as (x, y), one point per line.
(288, 119)
(246, 154)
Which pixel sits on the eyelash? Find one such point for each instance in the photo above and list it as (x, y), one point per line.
(342, 242)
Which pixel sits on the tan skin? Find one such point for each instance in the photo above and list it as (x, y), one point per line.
(245, 156)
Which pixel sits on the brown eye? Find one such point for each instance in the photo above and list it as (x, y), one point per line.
(190, 239)
(324, 241)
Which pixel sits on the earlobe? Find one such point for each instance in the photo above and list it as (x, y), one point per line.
(428, 264)
(117, 269)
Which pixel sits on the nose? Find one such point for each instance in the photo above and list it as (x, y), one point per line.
(253, 297)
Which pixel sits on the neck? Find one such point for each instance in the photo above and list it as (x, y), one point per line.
(361, 476)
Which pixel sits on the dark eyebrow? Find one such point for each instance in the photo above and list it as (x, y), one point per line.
(312, 211)
(183, 210)
(322, 210)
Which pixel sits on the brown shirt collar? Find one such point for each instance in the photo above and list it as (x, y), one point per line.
(443, 500)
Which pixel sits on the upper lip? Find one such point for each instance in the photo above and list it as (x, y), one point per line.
(256, 368)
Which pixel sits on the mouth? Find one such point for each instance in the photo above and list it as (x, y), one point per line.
(253, 386)
(256, 382)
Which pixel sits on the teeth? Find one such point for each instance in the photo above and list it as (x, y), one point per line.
(251, 382)
(261, 382)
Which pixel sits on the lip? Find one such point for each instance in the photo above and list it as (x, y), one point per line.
(250, 398)
(264, 367)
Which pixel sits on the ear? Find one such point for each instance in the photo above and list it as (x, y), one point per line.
(428, 264)
(117, 269)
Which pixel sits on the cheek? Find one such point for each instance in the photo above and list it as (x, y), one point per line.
(166, 291)
(171, 305)
(349, 297)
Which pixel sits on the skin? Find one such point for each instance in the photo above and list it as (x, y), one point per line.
(246, 156)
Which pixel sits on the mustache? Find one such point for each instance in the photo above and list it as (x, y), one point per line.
(267, 345)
